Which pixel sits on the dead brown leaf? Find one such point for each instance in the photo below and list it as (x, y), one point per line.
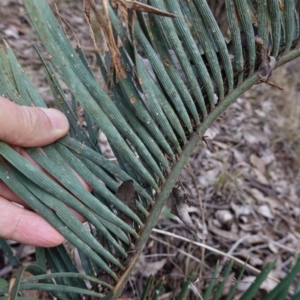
(103, 19)
(138, 6)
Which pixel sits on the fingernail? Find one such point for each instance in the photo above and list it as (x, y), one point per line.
(57, 118)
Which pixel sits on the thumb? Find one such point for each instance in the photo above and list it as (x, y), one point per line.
(30, 126)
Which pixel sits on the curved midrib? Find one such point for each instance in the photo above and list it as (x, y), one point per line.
(162, 195)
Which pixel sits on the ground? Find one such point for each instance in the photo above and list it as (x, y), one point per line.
(243, 180)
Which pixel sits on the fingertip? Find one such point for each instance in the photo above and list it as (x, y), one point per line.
(58, 121)
(30, 126)
(27, 227)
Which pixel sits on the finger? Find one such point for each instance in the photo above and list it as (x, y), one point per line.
(27, 227)
(30, 126)
(23, 152)
(8, 194)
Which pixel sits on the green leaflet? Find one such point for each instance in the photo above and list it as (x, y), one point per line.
(236, 41)
(51, 187)
(167, 27)
(94, 100)
(216, 35)
(148, 87)
(160, 71)
(14, 261)
(100, 160)
(246, 26)
(192, 49)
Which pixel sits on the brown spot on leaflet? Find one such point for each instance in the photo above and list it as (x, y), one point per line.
(166, 63)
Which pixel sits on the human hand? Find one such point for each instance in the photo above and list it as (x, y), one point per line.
(22, 126)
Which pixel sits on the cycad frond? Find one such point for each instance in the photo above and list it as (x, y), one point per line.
(168, 80)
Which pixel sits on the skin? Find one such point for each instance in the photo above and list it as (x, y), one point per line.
(20, 127)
